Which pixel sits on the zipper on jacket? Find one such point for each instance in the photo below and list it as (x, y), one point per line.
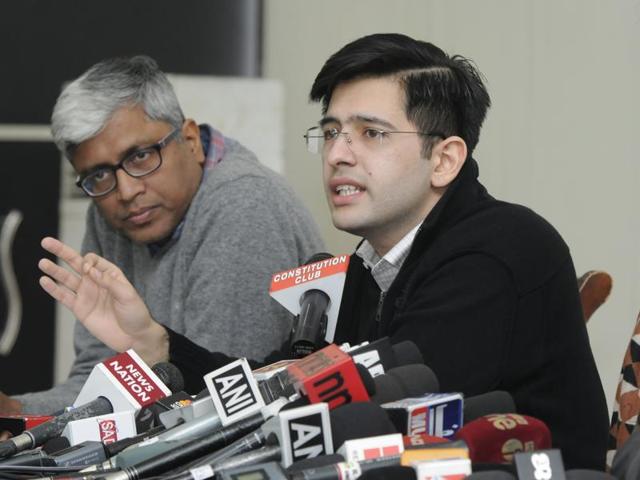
(379, 308)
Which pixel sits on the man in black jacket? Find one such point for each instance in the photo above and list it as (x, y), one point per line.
(486, 289)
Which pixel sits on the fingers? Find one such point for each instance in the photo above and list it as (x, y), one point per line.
(62, 295)
(61, 275)
(91, 260)
(113, 281)
(63, 251)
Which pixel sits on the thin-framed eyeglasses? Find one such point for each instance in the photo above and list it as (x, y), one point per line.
(319, 139)
(102, 179)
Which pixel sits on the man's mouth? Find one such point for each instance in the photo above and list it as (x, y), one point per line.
(139, 217)
(346, 190)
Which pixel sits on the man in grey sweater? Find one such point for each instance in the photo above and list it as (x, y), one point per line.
(188, 215)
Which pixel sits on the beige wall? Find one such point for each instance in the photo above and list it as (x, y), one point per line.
(561, 136)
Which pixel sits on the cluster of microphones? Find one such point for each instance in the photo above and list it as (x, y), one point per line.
(369, 411)
(344, 412)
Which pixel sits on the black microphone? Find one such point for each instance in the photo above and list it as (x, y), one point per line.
(406, 353)
(497, 401)
(397, 472)
(347, 422)
(403, 382)
(310, 326)
(38, 435)
(491, 475)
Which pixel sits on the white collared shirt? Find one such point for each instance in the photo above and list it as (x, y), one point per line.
(385, 269)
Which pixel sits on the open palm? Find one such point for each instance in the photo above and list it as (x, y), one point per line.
(97, 293)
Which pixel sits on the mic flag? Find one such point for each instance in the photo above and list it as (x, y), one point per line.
(329, 375)
(125, 380)
(327, 276)
(234, 391)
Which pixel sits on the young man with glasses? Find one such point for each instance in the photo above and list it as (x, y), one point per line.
(189, 216)
(486, 289)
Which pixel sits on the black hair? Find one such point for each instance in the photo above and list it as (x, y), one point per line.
(442, 94)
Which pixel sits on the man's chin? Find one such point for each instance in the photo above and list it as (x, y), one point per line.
(348, 226)
(146, 236)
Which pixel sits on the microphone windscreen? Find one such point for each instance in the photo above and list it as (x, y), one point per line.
(416, 379)
(491, 475)
(170, 376)
(495, 438)
(488, 403)
(406, 353)
(315, 462)
(367, 379)
(584, 474)
(55, 444)
(316, 257)
(387, 390)
(359, 420)
(397, 472)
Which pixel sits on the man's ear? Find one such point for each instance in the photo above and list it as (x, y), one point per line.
(448, 156)
(191, 136)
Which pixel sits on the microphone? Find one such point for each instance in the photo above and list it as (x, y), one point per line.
(187, 451)
(150, 416)
(329, 375)
(376, 456)
(380, 355)
(59, 452)
(497, 401)
(235, 395)
(107, 428)
(380, 467)
(496, 438)
(546, 464)
(377, 356)
(407, 353)
(438, 414)
(128, 382)
(16, 424)
(260, 471)
(197, 408)
(491, 475)
(347, 422)
(312, 292)
(413, 380)
(129, 370)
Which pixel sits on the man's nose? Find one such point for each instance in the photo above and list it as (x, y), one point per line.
(340, 151)
(128, 187)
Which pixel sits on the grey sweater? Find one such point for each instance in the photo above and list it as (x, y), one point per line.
(212, 283)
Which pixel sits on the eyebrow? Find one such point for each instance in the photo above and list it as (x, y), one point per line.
(128, 152)
(361, 118)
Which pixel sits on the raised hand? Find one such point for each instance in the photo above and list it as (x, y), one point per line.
(100, 296)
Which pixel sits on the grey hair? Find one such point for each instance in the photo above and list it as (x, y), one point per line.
(86, 104)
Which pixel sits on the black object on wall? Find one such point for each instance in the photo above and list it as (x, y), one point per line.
(44, 43)
(29, 173)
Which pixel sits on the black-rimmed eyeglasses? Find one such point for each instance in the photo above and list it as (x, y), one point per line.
(102, 180)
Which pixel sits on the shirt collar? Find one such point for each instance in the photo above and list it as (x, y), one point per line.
(385, 269)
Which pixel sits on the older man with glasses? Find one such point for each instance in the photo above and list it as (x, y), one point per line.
(189, 215)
